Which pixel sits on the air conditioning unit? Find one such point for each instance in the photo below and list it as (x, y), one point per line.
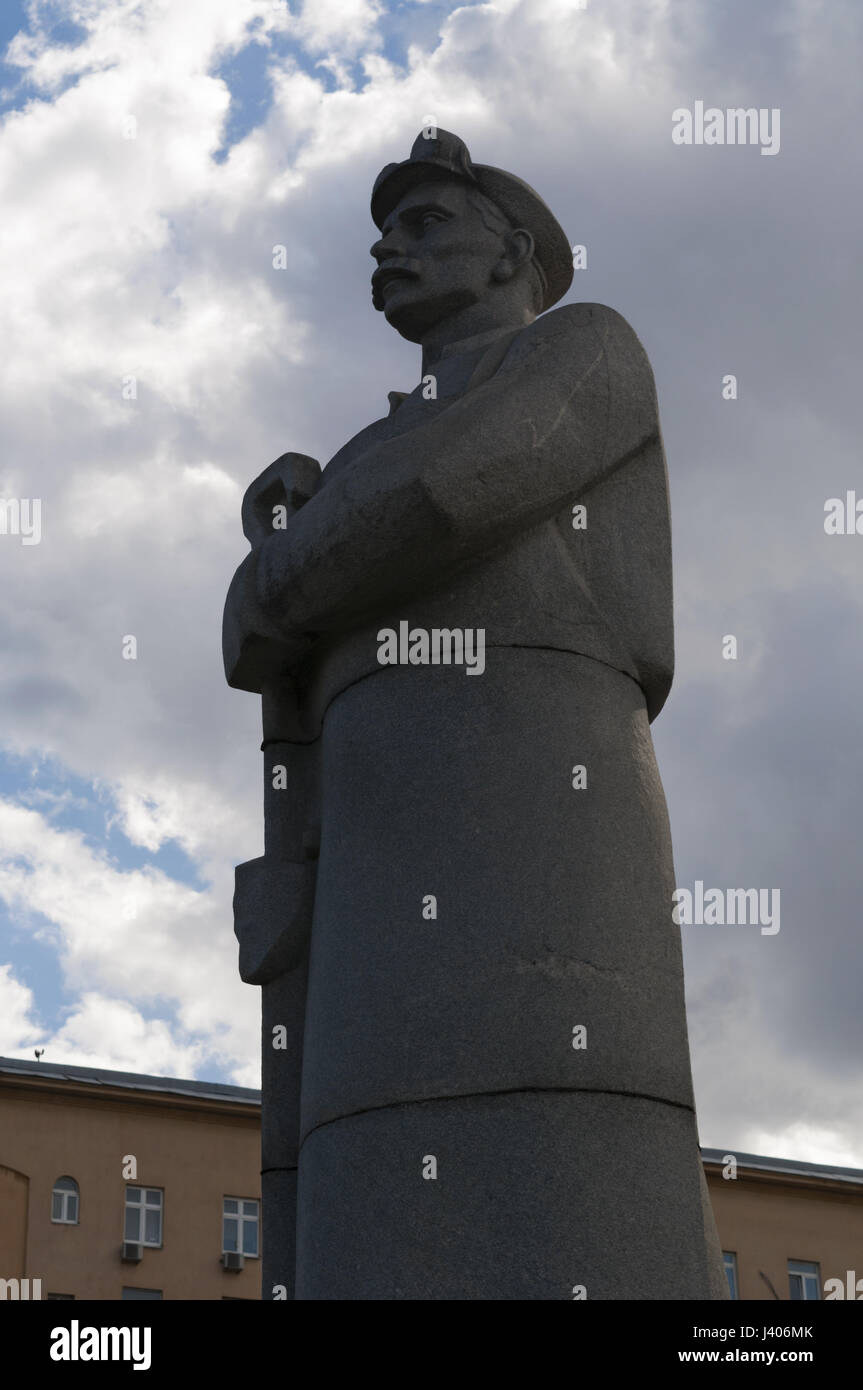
(233, 1260)
(131, 1253)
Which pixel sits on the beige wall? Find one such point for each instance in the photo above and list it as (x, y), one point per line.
(769, 1221)
(13, 1223)
(196, 1156)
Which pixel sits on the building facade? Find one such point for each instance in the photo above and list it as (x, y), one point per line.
(119, 1186)
(788, 1230)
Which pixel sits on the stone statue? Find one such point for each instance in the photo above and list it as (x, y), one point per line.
(476, 1074)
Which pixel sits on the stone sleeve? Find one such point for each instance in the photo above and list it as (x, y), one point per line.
(506, 456)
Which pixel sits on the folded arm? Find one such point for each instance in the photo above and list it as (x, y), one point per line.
(418, 508)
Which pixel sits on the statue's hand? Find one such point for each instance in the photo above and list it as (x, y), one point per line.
(277, 493)
(254, 649)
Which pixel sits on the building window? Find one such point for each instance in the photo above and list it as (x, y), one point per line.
(804, 1279)
(141, 1293)
(729, 1260)
(64, 1202)
(240, 1226)
(55, 1296)
(143, 1215)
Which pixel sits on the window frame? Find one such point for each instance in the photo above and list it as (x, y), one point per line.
(729, 1261)
(807, 1271)
(65, 1194)
(241, 1217)
(142, 1207)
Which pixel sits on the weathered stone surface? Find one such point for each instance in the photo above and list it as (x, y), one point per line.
(535, 1194)
(481, 964)
(281, 1067)
(273, 906)
(279, 1213)
(553, 904)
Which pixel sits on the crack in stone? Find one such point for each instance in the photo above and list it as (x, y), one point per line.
(558, 967)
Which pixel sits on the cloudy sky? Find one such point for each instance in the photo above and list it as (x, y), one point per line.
(152, 154)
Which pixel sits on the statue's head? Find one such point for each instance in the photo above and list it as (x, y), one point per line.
(455, 234)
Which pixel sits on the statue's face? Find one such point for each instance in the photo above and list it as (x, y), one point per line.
(435, 256)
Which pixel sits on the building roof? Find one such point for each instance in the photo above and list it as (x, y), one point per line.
(792, 1167)
(129, 1080)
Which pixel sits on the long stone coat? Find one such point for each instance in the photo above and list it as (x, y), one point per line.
(494, 1098)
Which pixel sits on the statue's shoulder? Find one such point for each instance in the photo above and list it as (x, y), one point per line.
(580, 320)
(580, 343)
(586, 329)
(578, 328)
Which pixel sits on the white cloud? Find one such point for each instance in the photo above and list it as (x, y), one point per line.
(102, 1031)
(108, 1032)
(134, 934)
(336, 26)
(18, 1028)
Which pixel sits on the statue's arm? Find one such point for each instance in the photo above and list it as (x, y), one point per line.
(504, 457)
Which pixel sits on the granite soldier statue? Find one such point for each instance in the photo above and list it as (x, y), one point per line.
(476, 1068)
